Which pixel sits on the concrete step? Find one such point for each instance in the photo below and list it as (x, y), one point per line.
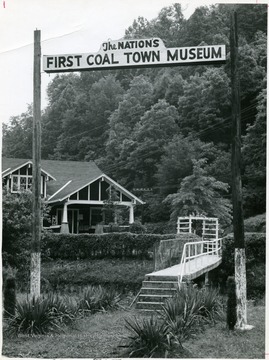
(149, 305)
(159, 284)
(161, 278)
(158, 291)
(153, 298)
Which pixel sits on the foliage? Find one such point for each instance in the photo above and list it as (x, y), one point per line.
(160, 228)
(98, 298)
(186, 313)
(254, 156)
(72, 276)
(126, 119)
(148, 339)
(255, 224)
(181, 317)
(95, 246)
(200, 194)
(137, 228)
(17, 135)
(231, 303)
(17, 223)
(41, 315)
(255, 262)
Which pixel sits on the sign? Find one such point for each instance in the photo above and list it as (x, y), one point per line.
(134, 53)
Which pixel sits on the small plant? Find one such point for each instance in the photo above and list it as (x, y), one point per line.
(182, 314)
(147, 339)
(187, 312)
(98, 298)
(40, 315)
(212, 308)
(231, 303)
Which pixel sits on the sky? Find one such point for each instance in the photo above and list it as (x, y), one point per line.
(67, 26)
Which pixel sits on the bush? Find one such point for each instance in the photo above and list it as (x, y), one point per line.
(137, 228)
(256, 223)
(160, 228)
(255, 262)
(189, 310)
(180, 318)
(41, 315)
(94, 246)
(98, 298)
(148, 339)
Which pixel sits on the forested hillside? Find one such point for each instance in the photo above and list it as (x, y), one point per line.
(164, 133)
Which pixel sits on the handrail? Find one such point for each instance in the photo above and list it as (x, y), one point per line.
(213, 247)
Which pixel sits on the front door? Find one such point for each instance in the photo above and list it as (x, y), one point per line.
(73, 219)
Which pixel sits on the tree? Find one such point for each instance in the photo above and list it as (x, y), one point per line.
(201, 194)
(17, 135)
(132, 107)
(177, 162)
(17, 229)
(156, 127)
(204, 108)
(254, 158)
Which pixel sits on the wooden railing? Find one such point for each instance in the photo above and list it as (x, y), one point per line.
(196, 250)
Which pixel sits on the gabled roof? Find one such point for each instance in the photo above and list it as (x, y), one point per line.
(69, 176)
(9, 165)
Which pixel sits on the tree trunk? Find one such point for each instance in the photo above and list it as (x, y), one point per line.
(35, 274)
(241, 282)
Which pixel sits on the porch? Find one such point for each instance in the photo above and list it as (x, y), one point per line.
(76, 218)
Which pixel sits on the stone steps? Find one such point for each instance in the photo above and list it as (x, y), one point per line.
(155, 291)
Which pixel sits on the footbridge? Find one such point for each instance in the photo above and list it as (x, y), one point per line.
(198, 258)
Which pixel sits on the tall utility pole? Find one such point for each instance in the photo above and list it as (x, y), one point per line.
(238, 220)
(36, 186)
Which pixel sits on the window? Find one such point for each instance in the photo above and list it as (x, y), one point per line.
(20, 182)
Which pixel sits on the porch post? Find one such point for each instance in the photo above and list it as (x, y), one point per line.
(131, 214)
(64, 226)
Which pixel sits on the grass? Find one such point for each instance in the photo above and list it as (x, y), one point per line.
(60, 274)
(100, 334)
(219, 342)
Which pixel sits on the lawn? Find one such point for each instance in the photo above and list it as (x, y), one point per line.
(99, 335)
(122, 274)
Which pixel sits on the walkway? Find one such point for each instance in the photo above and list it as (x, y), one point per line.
(193, 268)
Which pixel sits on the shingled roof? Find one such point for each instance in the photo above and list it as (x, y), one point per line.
(69, 176)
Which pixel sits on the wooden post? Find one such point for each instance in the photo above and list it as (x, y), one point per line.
(36, 186)
(238, 220)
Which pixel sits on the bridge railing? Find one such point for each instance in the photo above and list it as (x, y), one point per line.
(197, 250)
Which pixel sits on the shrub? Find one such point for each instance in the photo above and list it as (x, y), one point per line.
(147, 339)
(137, 228)
(160, 228)
(98, 298)
(94, 246)
(180, 318)
(256, 223)
(41, 315)
(189, 310)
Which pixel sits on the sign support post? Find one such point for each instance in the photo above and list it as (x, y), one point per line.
(238, 220)
(36, 209)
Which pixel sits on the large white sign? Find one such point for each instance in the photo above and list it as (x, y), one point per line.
(134, 53)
